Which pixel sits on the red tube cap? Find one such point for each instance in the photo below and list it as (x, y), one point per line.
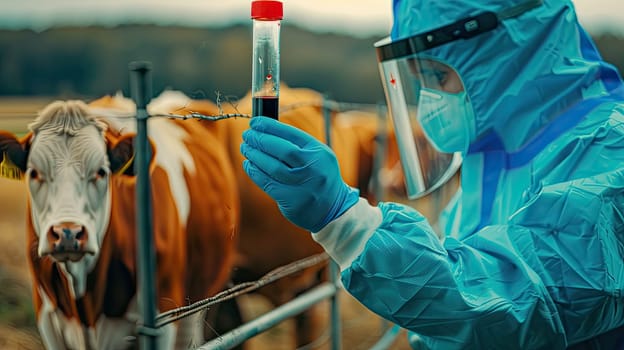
(267, 10)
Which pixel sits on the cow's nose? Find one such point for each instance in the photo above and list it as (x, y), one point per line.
(67, 241)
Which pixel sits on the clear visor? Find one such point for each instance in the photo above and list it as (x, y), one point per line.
(423, 92)
(432, 116)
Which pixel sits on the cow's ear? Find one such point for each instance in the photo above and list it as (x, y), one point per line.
(13, 155)
(121, 155)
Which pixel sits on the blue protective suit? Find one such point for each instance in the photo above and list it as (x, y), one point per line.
(533, 254)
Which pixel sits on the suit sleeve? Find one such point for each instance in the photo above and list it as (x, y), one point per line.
(550, 278)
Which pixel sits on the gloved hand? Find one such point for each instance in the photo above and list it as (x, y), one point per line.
(299, 172)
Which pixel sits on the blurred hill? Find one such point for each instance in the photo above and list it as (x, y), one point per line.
(93, 61)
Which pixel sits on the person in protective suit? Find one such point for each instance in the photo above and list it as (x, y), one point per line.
(533, 250)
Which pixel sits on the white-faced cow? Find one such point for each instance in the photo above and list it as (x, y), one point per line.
(82, 227)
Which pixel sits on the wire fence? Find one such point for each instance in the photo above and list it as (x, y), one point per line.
(148, 329)
(304, 301)
(141, 93)
(240, 289)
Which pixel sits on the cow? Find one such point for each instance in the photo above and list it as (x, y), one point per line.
(77, 161)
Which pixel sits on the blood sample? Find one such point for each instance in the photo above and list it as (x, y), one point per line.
(266, 18)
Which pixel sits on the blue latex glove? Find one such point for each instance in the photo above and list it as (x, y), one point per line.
(299, 172)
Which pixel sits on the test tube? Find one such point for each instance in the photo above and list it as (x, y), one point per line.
(266, 18)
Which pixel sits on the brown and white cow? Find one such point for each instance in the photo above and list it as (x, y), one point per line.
(81, 223)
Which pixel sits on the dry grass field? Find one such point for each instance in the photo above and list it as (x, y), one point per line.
(360, 328)
(17, 323)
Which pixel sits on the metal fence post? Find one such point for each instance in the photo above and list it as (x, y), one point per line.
(141, 92)
(381, 142)
(336, 337)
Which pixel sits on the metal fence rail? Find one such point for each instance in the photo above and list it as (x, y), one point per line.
(272, 318)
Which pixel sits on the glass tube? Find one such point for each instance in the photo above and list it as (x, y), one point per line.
(266, 22)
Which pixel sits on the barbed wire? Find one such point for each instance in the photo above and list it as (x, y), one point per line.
(331, 105)
(239, 289)
(196, 115)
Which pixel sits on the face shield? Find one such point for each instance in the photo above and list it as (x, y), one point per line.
(431, 113)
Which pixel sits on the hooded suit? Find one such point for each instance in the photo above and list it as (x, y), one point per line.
(533, 249)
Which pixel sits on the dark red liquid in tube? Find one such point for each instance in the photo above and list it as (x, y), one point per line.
(267, 106)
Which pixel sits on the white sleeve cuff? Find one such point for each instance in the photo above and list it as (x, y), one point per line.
(345, 237)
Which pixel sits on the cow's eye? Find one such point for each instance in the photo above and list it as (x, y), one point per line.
(35, 175)
(101, 173)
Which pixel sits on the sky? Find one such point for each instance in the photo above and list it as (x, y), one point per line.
(355, 17)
